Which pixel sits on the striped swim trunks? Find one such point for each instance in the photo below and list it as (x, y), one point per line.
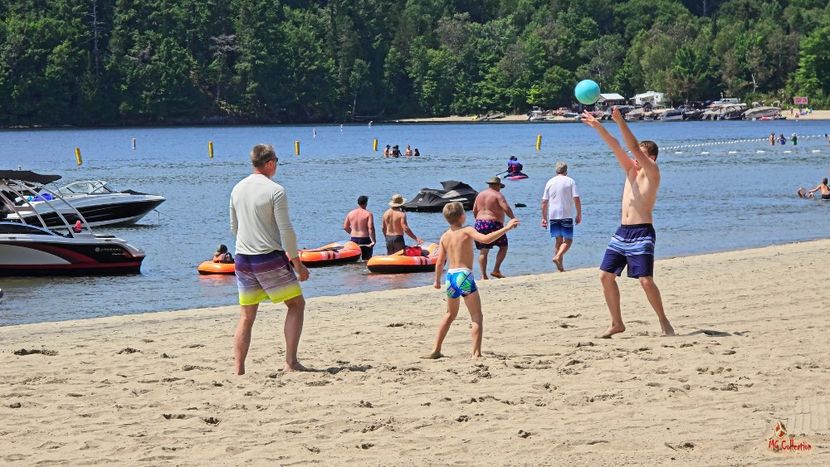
(260, 277)
(632, 246)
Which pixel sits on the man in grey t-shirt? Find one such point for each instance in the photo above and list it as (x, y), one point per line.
(560, 207)
(266, 256)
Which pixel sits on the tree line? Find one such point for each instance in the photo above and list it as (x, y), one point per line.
(113, 62)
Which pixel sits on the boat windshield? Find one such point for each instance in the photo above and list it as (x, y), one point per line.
(87, 187)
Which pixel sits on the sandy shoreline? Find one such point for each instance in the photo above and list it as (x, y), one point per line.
(157, 388)
(516, 118)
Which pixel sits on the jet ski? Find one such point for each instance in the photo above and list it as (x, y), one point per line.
(433, 200)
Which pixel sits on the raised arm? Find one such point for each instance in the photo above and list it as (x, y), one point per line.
(492, 236)
(622, 158)
(633, 145)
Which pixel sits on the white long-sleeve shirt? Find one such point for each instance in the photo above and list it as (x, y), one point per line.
(259, 217)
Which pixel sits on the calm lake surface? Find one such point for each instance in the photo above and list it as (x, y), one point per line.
(713, 197)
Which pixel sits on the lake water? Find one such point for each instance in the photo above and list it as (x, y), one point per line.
(736, 195)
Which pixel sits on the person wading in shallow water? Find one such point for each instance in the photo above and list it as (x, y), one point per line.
(632, 245)
(266, 250)
(489, 210)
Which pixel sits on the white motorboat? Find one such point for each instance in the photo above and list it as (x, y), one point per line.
(97, 201)
(32, 248)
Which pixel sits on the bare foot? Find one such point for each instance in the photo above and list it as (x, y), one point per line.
(433, 356)
(296, 366)
(612, 330)
(558, 263)
(484, 277)
(668, 331)
(497, 275)
(476, 356)
(240, 372)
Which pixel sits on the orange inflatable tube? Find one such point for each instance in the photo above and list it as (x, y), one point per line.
(399, 263)
(209, 267)
(331, 254)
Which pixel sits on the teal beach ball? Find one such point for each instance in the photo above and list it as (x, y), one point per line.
(587, 91)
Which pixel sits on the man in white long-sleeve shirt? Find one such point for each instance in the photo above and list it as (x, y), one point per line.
(266, 249)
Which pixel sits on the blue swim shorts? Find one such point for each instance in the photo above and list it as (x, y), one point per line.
(460, 283)
(632, 246)
(562, 228)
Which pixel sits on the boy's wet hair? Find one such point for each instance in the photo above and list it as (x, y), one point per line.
(650, 147)
(362, 200)
(824, 181)
(453, 212)
(222, 249)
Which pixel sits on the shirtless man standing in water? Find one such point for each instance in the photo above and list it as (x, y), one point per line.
(360, 225)
(633, 243)
(489, 210)
(394, 226)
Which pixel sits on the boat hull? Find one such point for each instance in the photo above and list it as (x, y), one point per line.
(50, 258)
(96, 215)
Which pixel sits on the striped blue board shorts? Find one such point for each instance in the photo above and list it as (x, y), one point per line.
(632, 246)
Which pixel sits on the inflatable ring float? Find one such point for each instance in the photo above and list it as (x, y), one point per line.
(331, 254)
(399, 263)
(209, 267)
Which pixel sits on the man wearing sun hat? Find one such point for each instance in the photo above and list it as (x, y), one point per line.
(394, 226)
(489, 210)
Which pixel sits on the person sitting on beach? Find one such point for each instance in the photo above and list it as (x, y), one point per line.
(632, 245)
(822, 187)
(394, 226)
(360, 225)
(456, 247)
(408, 152)
(222, 255)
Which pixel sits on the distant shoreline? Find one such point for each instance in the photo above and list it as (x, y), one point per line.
(820, 115)
(519, 118)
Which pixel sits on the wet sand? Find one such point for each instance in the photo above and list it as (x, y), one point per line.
(157, 388)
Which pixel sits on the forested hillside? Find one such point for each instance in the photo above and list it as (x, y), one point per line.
(93, 62)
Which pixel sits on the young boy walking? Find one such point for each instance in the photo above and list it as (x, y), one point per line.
(456, 246)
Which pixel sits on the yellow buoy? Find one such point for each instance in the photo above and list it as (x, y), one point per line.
(375, 145)
(78, 157)
(210, 149)
(297, 147)
(538, 142)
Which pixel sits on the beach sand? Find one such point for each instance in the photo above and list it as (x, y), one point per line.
(157, 388)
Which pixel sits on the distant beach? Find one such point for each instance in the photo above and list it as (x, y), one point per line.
(513, 118)
(157, 388)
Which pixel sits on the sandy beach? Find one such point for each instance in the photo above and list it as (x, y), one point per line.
(157, 388)
(514, 118)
